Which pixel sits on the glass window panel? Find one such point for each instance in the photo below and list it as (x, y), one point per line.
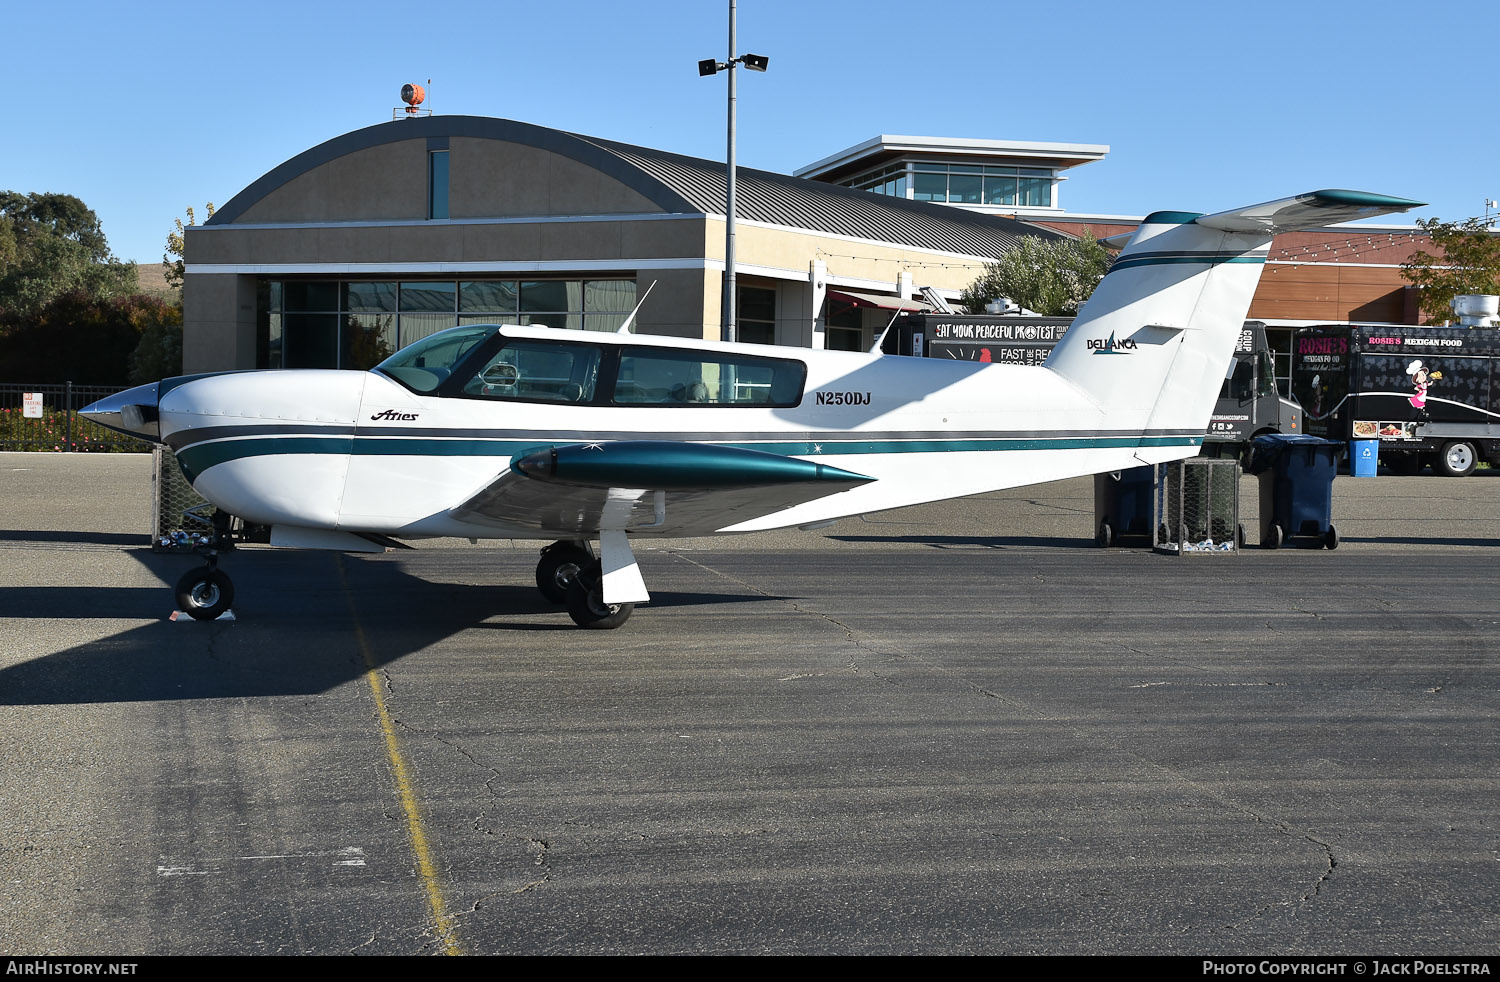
(844, 339)
(273, 342)
(495, 295)
(368, 340)
(437, 184)
(310, 295)
(310, 341)
(429, 296)
(670, 378)
(930, 187)
(1036, 191)
(604, 322)
(932, 168)
(1002, 171)
(275, 295)
(369, 297)
(609, 295)
(552, 295)
(415, 327)
(757, 303)
(424, 366)
(489, 319)
(539, 371)
(999, 190)
(964, 188)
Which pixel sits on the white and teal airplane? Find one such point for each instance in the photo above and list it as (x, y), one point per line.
(526, 432)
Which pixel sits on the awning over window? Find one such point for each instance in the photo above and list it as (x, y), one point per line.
(878, 300)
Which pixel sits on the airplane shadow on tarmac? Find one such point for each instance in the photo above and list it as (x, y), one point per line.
(299, 621)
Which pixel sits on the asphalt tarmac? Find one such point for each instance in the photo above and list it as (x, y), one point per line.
(958, 728)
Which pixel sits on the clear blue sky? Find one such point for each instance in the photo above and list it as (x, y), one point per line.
(144, 109)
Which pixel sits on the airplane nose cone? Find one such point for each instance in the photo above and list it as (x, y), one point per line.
(132, 411)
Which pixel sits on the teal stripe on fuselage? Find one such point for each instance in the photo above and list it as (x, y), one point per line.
(199, 457)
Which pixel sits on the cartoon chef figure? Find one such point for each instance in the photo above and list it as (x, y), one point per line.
(1421, 379)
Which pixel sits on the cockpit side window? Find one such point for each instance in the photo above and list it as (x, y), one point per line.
(538, 371)
(667, 377)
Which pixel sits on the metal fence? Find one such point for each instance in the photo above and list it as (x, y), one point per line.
(60, 429)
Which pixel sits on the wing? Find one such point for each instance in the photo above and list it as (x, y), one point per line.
(648, 486)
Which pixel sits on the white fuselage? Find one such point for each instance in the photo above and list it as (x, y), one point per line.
(359, 452)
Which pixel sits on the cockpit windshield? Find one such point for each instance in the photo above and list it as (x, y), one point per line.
(425, 364)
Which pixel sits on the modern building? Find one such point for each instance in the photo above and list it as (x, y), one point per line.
(365, 243)
(996, 177)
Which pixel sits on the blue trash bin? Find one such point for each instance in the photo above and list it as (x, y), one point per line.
(1296, 488)
(1124, 505)
(1363, 455)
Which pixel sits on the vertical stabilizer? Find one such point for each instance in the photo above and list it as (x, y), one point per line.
(1153, 342)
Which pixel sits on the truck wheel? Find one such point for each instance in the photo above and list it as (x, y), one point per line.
(1105, 537)
(1405, 464)
(1457, 458)
(1271, 537)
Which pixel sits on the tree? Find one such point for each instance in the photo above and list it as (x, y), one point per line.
(1050, 276)
(1469, 263)
(51, 244)
(175, 244)
(83, 338)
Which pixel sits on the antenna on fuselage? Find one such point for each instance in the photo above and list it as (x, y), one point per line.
(625, 327)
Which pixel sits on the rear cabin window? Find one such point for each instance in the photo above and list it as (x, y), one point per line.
(663, 377)
(538, 371)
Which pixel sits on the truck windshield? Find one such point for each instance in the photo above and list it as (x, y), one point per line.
(425, 364)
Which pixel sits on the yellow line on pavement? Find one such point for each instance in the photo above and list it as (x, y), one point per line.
(405, 786)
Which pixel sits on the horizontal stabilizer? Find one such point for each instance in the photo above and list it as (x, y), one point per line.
(1312, 210)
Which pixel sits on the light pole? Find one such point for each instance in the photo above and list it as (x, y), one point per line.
(708, 66)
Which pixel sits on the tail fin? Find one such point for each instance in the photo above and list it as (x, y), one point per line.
(1153, 342)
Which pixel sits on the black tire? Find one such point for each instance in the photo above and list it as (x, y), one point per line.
(1271, 539)
(586, 601)
(1458, 458)
(1404, 464)
(1239, 536)
(1105, 537)
(1331, 538)
(560, 562)
(204, 593)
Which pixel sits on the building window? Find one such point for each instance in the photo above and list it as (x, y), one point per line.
(961, 184)
(359, 323)
(437, 184)
(755, 315)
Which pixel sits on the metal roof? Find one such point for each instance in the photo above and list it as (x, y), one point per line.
(795, 202)
(686, 185)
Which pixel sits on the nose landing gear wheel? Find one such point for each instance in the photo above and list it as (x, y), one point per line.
(586, 600)
(204, 593)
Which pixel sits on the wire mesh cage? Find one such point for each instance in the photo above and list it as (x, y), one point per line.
(1198, 504)
(180, 517)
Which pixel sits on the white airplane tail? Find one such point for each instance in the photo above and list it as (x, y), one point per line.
(1153, 342)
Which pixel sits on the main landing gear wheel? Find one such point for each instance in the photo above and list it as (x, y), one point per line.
(558, 566)
(204, 593)
(586, 600)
